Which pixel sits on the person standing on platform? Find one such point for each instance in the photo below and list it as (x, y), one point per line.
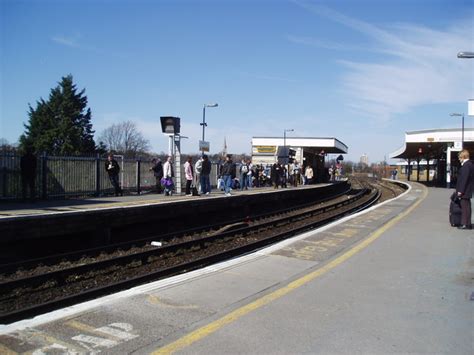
(113, 169)
(28, 173)
(296, 173)
(205, 175)
(309, 175)
(228, 174)
(188, 172)
(197, 174)
(332, 173)
(168, 175)
(250, 174)
(464, 187)
(244, 169)
(276, 174)
(157, 169)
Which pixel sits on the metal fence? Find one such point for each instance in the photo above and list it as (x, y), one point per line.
(62, 177)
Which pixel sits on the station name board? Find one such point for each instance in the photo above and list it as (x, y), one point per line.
(265, 149)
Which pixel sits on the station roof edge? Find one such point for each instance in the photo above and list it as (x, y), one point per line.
(312, 138)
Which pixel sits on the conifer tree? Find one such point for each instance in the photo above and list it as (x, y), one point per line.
(62, 125)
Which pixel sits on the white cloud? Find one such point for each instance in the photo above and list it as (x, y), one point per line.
(317, 42)
(419, 66)
(67, 41)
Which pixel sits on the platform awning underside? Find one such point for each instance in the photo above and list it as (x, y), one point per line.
(432, 144)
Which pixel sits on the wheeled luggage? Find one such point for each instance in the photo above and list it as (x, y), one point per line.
(455, 211)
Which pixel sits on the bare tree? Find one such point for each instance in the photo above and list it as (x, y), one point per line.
(124, 138)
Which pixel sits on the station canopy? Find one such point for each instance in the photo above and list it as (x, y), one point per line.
(432, 144)
(313, 145)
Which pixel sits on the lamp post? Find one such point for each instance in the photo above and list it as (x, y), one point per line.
(284, 135)
(287, 155)
(204, 124)
(466, 55)
(171, 126)
(462, 129)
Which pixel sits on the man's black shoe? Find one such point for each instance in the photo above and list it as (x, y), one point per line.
(465, 227)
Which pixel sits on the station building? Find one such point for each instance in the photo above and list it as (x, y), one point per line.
(432, 154)
(305, 150)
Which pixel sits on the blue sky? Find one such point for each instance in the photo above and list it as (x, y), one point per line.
(361, 71)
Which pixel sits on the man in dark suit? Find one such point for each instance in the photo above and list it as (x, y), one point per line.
(464, 188)
(28, 173)
(113, 169)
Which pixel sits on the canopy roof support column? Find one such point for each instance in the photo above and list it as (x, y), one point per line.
(448, 167)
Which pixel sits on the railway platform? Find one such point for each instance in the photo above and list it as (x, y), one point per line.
(107, 220)
(10, 210)
(396, 278)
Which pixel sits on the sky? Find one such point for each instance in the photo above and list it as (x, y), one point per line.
(364, 72)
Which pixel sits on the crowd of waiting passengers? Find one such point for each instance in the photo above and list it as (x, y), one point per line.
(231, 176)
(235, 176)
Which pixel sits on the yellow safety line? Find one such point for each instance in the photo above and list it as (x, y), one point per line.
(240, 312)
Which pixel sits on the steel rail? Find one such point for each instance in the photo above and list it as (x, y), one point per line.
(90, 252)
(63, 274)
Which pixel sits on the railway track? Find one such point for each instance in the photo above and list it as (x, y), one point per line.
(23, 296)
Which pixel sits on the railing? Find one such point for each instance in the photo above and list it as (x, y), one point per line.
(62, 177)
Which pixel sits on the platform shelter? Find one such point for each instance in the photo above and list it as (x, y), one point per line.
(305, 150)
(436, 151)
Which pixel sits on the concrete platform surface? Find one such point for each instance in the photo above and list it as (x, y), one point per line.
(394, 279)
(10, 210)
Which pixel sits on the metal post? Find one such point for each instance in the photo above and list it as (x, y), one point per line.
(177, 144)
(462, 133)
(4, 180)
(170, 146)
(409, 169)
(97, 175)
(427, 169)
(203, 124)
(448, 167)
(418, 170)
(138, 166)
(44, 176)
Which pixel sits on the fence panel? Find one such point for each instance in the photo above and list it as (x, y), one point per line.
(10, 176)
(70, 176)
(61, 177)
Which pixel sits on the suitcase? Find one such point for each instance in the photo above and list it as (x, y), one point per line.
(455, 213)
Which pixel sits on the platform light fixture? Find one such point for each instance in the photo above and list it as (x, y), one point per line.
(170, 124)
(466, 55)
(454, 114)
(204, 124)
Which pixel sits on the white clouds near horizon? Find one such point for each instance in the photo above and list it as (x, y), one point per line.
(418, 66)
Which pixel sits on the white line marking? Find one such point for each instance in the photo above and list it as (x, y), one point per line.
(87, 306)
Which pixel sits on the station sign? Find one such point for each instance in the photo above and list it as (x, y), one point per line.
(204, 146)
(265, 149)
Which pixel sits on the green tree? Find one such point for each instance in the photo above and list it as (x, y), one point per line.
(62, 125)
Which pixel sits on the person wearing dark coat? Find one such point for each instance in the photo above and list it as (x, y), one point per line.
(464, 187)
(228, 174)
(28, 173)
(157, 169)
(205, 175)
(276, 174)
(113, 169)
